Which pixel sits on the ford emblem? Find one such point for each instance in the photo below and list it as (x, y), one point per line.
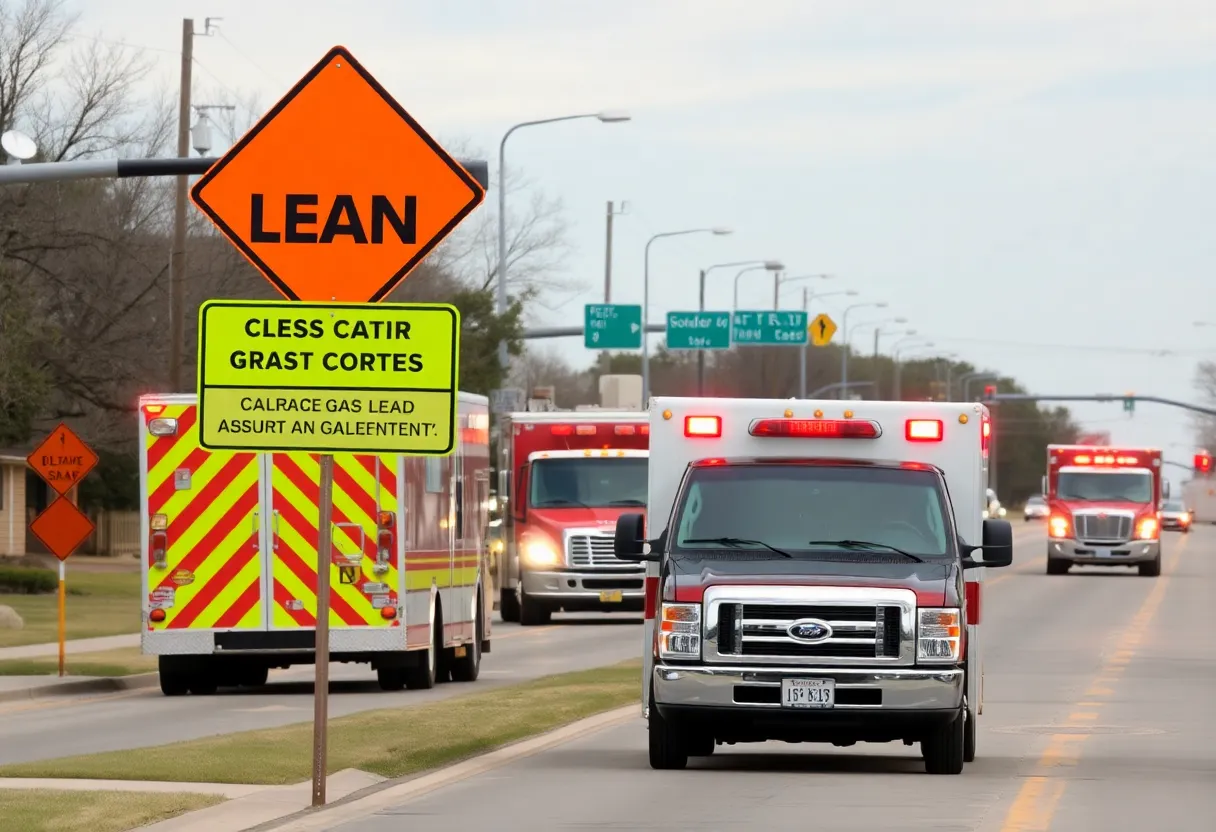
(809, 629)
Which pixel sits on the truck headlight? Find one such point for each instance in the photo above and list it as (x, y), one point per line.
(538, 553)
(680, 631)
(938, 634)
(1057, 526)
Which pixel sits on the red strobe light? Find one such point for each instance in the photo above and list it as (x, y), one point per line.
(705, 426)
(923, 430)
(816, 428)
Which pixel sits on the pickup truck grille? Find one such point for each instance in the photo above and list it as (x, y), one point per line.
(875, 629)
(595, 551)
(1117, 527)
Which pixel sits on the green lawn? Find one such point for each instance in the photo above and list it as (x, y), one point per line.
(37, 810)
(98, 604)
(392, 742)
(123, 662)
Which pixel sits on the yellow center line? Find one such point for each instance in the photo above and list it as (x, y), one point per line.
(1036, 802)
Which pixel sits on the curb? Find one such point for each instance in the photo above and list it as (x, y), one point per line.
(97, 684)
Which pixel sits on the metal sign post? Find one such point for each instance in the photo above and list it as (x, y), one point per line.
(320, 721)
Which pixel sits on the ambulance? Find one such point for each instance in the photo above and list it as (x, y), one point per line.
(229, 551)
(572, 474)
(814, 574)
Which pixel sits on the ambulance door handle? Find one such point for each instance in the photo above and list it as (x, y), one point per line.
(274, 530)
(256, 527)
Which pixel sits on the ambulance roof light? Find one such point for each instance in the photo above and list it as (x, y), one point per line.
(705, 426)
(923, 430)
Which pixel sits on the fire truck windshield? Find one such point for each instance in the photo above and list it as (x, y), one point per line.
(589, 482)
(1096, 486)
(794, 507)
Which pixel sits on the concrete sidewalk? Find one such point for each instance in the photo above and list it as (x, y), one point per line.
(74, 647)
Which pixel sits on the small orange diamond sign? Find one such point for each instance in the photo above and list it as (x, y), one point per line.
(62, 459)
(62, 528)
(337, 193)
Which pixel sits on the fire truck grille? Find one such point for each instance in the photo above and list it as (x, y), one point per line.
(857, 632)
(1111, 527)
(595, 551)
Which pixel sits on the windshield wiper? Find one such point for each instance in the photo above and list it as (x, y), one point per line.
(865, 544)
(736, 543)
(629, 502)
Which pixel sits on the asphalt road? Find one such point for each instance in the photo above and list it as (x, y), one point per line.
(63, 726)
(1098, 715)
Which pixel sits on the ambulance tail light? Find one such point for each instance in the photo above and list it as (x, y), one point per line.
(704, 426)
(985, 434)
(158, 540)
(386, 540)
(923, 430)
(157, 615)
(644, 430)
(816, 428)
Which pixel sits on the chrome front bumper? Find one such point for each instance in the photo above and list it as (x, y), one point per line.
(895, 689)
(585, 585)
(1103, 554)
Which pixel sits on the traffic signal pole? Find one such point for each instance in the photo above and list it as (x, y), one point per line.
(1103, 397)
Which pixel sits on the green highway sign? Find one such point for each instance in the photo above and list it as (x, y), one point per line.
(612, 326)
(769, 327)
(698, 330)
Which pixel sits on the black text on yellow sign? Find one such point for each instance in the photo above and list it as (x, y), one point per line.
(328, 377)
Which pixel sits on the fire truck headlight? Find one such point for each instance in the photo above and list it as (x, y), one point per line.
(538, 553)
(1147, 530)
(1057, 526)
(680, 631)
(938, 634)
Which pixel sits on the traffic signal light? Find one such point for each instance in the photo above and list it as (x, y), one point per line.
(989, 391)
(1203, 462)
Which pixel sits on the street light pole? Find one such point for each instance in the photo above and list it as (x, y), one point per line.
(605, 116)
(717, 231)
(767, 264)
(844, 346)
(807, 297)
(896, 357)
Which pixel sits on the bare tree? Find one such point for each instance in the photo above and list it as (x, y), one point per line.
(1205, 386)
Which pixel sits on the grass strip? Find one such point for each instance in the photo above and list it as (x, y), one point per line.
(392, 742)
(125, 661)
(55, 810)
(98, 604)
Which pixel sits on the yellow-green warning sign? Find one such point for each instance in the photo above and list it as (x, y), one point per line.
(328, 377)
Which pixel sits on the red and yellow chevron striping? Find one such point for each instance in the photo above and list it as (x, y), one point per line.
(211, 575)
(363, 487)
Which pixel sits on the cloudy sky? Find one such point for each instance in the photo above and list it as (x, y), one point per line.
(1032, 184)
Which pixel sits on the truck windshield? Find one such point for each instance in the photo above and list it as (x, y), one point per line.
(589, 482)
(789, 505)
(1125, 486)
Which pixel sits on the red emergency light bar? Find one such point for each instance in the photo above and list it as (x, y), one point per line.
(1104, 459)
(566, 430)
(817, 428)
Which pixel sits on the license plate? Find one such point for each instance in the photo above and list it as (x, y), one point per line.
(1102, 553)
(610, 596)
(808, 693)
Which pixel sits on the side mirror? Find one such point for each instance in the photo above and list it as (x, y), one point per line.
(1043, 486)
(1165, 489)
(997, 546)
(629, 542)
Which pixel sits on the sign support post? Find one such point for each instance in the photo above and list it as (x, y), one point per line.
(320, 722)
(63, 615)
(345, 217)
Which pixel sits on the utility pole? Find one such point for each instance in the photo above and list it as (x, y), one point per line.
(177, 257)
(608, 249)
(701, 353)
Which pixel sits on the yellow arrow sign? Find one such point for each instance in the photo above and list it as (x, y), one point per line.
(821, 330)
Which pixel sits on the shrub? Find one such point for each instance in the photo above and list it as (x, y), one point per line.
(25, 581)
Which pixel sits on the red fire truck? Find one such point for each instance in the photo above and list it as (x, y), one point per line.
(1104, 507)
(573, 473)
